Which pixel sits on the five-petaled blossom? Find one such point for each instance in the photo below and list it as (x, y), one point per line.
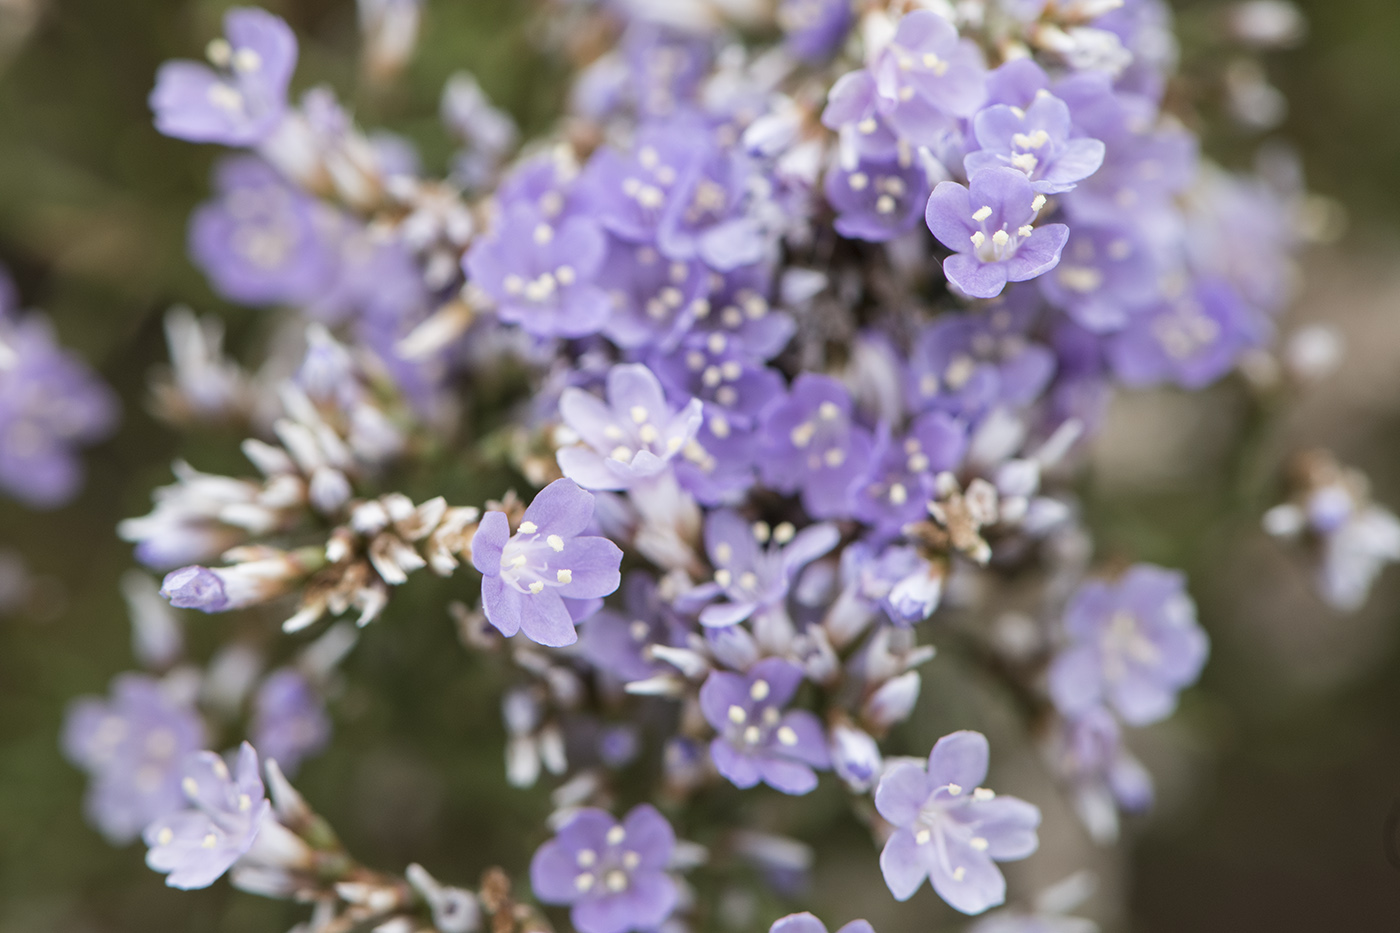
(612, 874)
(631, 437)
(990, 226)
(951, 830)
(537, 579)
(757, 741)
(1133, 644)
(754, 565)
(242, 99)
(195, 846)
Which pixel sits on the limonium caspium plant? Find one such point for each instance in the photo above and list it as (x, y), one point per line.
(797, 323)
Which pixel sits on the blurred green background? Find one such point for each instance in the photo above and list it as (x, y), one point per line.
(1276, 778)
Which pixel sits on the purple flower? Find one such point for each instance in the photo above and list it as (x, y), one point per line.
(132, 746)
(50, 403)
(194, 847)
(740, 312)
(806, 923)
(854, 109)
(714, 369)
(1102, 775)
(617, 642)
(242, 99)
(262, 241)
(530, 579)
(757, 741)
(1036, 141)
(927, 62)
(754, 578)
(1144, 164)
(815, 29)
(289, 719)
(899, 485)
(654, 300)
(990, 226)
(665, 66)
(1016, 83)
(1190, 340)
(968, 364)
(717, 468)
(629, 193)
(1133, 644)
(812, 444)
(612, 875)
(877, 200)
(1105, 277)
(708, 214)
(951, 830)
(906, 584)
(631, 437)
(541, 276)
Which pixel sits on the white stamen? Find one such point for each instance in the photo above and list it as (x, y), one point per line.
(787, 736)
(219, 52)
(982, 213)
(528, 528)
(246, 60)
(564, 576)
(555, 543)
(759, 690)
(737, 715)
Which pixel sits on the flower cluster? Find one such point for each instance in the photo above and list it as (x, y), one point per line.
(808, 334)
(50, 403)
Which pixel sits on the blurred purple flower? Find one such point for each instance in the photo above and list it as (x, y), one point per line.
(131, 745)
(612, 875)
(50, 403)
(242, 99)
(289, 719)
(1133, 643)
